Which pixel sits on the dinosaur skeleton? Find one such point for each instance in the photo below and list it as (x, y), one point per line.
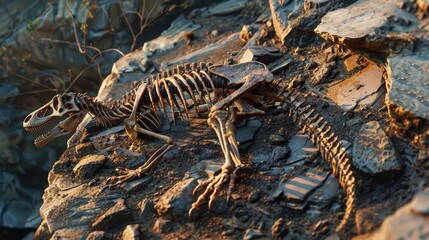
(225, 90)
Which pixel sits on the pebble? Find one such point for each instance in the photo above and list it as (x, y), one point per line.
(131, 232)
(163, 226)
(280, 153)
(276, 139)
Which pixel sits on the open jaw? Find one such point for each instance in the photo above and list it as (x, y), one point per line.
(64, 127)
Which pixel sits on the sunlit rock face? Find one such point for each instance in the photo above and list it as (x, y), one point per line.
(407, 98)
(374, 26)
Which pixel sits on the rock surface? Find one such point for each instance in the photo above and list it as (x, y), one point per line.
(374, 25)
(362, 89)
(407, 84)
(88, 165)
(176, 202)
(373, 151)
(408, 222)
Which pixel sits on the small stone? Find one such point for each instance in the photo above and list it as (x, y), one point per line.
(146, 208)
(254, 196)
(254, 234)
(88, 165)
(225, 8)
(373, 151)
(352, 63)
(97, 235)
(145, 64)
(177, 201)
(408, 87)
(214, 33)
(228, 232)
(280, 153)
(131, 232)
(246, 133)
(163, 226)
(84, 149)
(276, 139)
(117, 215)
(259, 54)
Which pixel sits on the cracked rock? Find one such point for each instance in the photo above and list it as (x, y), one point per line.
(407, 84)
(177, 201)
(117, 215)
(373, 151)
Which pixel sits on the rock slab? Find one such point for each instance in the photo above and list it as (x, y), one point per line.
(361, 89)
(373, 151)
(369, 25)
(407, 84)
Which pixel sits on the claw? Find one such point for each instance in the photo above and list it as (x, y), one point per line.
(212, 188)
(192, 213)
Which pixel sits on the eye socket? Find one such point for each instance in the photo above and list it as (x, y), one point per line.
(55, 102)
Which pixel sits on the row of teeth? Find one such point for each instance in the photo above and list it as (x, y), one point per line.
(38, 128)
(43, 136)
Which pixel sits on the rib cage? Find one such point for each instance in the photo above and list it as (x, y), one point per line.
(172, 87)
(165, 89)
(330, 147)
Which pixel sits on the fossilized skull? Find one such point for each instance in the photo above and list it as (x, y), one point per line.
(61, 106)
